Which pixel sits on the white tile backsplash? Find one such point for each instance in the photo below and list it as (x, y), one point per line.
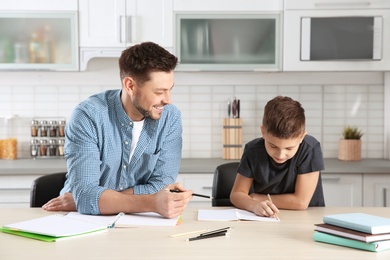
(331, 101)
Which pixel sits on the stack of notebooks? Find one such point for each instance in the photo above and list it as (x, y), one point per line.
(356, 230)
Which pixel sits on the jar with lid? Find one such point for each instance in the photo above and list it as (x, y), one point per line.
(60, 146)
(52, 147)
(43, 128)
(43, 147)
(53, 128)
(34, 128)
(61, 128)
(34, 148)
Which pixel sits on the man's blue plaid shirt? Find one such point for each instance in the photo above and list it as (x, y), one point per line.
(97, 150)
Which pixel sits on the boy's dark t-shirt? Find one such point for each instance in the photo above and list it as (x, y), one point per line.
(270, 177)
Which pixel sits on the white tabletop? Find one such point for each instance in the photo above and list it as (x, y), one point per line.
(291, 238)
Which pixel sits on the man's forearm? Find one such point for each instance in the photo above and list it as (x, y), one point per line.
(113, 202)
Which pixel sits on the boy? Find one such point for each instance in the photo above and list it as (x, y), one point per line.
(285, 163)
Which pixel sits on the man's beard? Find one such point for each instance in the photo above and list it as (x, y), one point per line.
(143, 111)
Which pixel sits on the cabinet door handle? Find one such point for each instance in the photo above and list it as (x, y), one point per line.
(131, 29)
(122, 29)
(342, 4)
(384, 197)
(207, 187)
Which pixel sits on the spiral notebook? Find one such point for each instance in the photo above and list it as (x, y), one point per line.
(54, 227)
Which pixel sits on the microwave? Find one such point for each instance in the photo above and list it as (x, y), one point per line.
(329, 36)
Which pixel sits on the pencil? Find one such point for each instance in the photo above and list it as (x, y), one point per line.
(269, 198)
(189, 233)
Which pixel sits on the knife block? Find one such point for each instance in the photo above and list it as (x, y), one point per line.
(232, 139)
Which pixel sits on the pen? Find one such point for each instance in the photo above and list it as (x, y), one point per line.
(215, 231)
(203, 232)
(116, 219)
(193, 194)
(218, 234)
(269, 198)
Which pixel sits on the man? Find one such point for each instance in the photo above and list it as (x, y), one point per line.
(123, 147)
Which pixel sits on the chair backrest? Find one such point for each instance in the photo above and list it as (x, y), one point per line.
(46, 188)
(224, 177)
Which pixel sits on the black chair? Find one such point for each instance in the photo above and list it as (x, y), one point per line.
(223, 181)
(46, 188)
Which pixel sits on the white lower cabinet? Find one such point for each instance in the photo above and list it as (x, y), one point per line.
(343, 190)
(15, 190)
(376, 190)
(197, 182)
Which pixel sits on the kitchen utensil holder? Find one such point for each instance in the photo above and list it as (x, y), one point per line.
(232, 139)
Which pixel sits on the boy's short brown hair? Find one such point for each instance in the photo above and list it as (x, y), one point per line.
(284, 118)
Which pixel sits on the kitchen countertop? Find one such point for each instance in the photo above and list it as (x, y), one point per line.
(332, 165)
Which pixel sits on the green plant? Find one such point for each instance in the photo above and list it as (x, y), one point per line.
(350, 132)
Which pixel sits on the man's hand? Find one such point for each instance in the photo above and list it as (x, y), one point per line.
(172, 204)
(64, 202)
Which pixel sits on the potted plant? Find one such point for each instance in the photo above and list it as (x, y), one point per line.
(350, 146)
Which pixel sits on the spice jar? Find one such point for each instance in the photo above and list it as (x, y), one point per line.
(52, 147)
(34, 128)
(53, 128)
(43, 128)
(43, 148)
(61, 128)
(34, 148)
(60, 146)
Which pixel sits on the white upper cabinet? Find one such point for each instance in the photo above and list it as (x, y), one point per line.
(109, 26)
(39, 35)
(228, 35)
(228, 5)
(103, 23)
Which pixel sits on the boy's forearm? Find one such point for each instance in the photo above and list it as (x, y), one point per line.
(242, 201)
(285, 201)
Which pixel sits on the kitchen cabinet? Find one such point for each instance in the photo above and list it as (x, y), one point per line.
(42, 35)
(15, 190)
(343, 190)
(227, 35)
(197, 182)
(376, 190)
(107, 27)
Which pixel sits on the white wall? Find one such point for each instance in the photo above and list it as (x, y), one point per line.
(331, 101)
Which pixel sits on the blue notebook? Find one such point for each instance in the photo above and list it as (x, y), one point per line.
(360, 221)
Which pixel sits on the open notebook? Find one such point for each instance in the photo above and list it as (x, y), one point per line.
(55, 227)
(230, 215)
(129, 220)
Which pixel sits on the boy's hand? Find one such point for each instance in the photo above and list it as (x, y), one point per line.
(265, 208)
